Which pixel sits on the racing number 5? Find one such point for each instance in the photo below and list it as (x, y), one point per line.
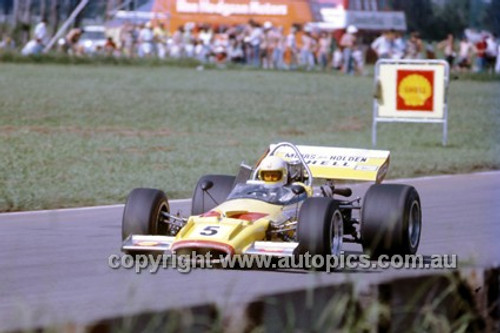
(210, 230)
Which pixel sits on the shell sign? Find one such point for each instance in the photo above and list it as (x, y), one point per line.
(411, 91)
(415, 90)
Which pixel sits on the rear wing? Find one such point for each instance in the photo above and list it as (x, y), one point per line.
(340, 163)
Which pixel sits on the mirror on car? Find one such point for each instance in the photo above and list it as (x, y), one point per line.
(207, 185)
(297, 189)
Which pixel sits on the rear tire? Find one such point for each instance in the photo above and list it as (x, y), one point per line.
(202, 202)
(320, 227)
(142, 213)
(391, 220)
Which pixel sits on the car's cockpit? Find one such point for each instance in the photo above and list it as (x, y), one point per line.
(276, 195)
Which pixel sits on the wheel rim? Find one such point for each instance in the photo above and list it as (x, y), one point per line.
(161, 226)
(337, 233)
(414, 224)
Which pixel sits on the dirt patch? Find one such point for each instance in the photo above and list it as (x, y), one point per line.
(136, 150)
(88, 132)
(227, 143)
(349, 124)
(291, 132)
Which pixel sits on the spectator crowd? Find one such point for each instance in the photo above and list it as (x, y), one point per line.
(270, 47)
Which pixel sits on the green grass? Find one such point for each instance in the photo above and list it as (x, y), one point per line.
(87, 135)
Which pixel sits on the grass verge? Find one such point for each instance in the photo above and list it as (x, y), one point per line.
(87, 135)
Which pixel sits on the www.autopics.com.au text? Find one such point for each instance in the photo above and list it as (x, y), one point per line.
(185, 263)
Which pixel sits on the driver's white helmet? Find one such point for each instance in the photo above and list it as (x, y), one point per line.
(273, 170)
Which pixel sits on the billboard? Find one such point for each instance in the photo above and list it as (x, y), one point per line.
(279, 12)
(328, 14)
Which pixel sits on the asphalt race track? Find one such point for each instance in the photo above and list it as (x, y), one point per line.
(54, 264)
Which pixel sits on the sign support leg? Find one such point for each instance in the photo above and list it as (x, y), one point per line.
(374, 133)
(445, 132)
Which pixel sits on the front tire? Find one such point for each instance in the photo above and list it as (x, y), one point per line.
(142, 213)
(391, 220)
(320, 227)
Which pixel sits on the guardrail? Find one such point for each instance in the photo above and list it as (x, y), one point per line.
(466, 299)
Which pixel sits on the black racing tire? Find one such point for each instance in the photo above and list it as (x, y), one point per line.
(320, 227)
(142, 213)
(391, 220)
(203, 202)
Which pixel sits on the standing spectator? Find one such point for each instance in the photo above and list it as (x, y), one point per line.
(127, 40)
(333, 48)
(347, 42)
(160, 36)
(491, 52)
(497, 64)
(205, 36)
(336, 54)
(188, 40)
(266, 47)
(255, 39)
(40, 32)
(306, 53)
(277, 42)
(414, 47)
(177, 48)
(448, 47)
(382, 45)
(399, 46)
(358, 58)
(71, 41)
(324, 49)
(291, 48)
(480, 50)
(146, 40)
(464, 54)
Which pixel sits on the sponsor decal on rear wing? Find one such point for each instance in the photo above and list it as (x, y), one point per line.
(341, 163)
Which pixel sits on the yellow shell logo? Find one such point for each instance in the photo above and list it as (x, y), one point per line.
(415, 90)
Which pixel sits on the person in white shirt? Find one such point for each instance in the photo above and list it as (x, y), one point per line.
(41, 31)
(255, 40)
(33, 47)
(348, 43)
(277, 44)
(399, 46)
(307, 51)
(464, 54)
(205, 36)
(146, 40)
(324, 46)
(382, 45)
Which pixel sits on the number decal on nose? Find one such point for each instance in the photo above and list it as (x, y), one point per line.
(210, 230)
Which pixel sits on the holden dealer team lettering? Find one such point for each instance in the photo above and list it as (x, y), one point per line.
(329, 160)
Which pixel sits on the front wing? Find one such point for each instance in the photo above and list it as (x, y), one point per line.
(162, 244)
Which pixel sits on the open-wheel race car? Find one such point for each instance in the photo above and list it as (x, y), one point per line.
(273, 209)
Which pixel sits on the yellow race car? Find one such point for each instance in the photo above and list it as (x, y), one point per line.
(273, 209)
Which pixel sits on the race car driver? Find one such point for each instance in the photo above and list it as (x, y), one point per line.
(274, 171)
